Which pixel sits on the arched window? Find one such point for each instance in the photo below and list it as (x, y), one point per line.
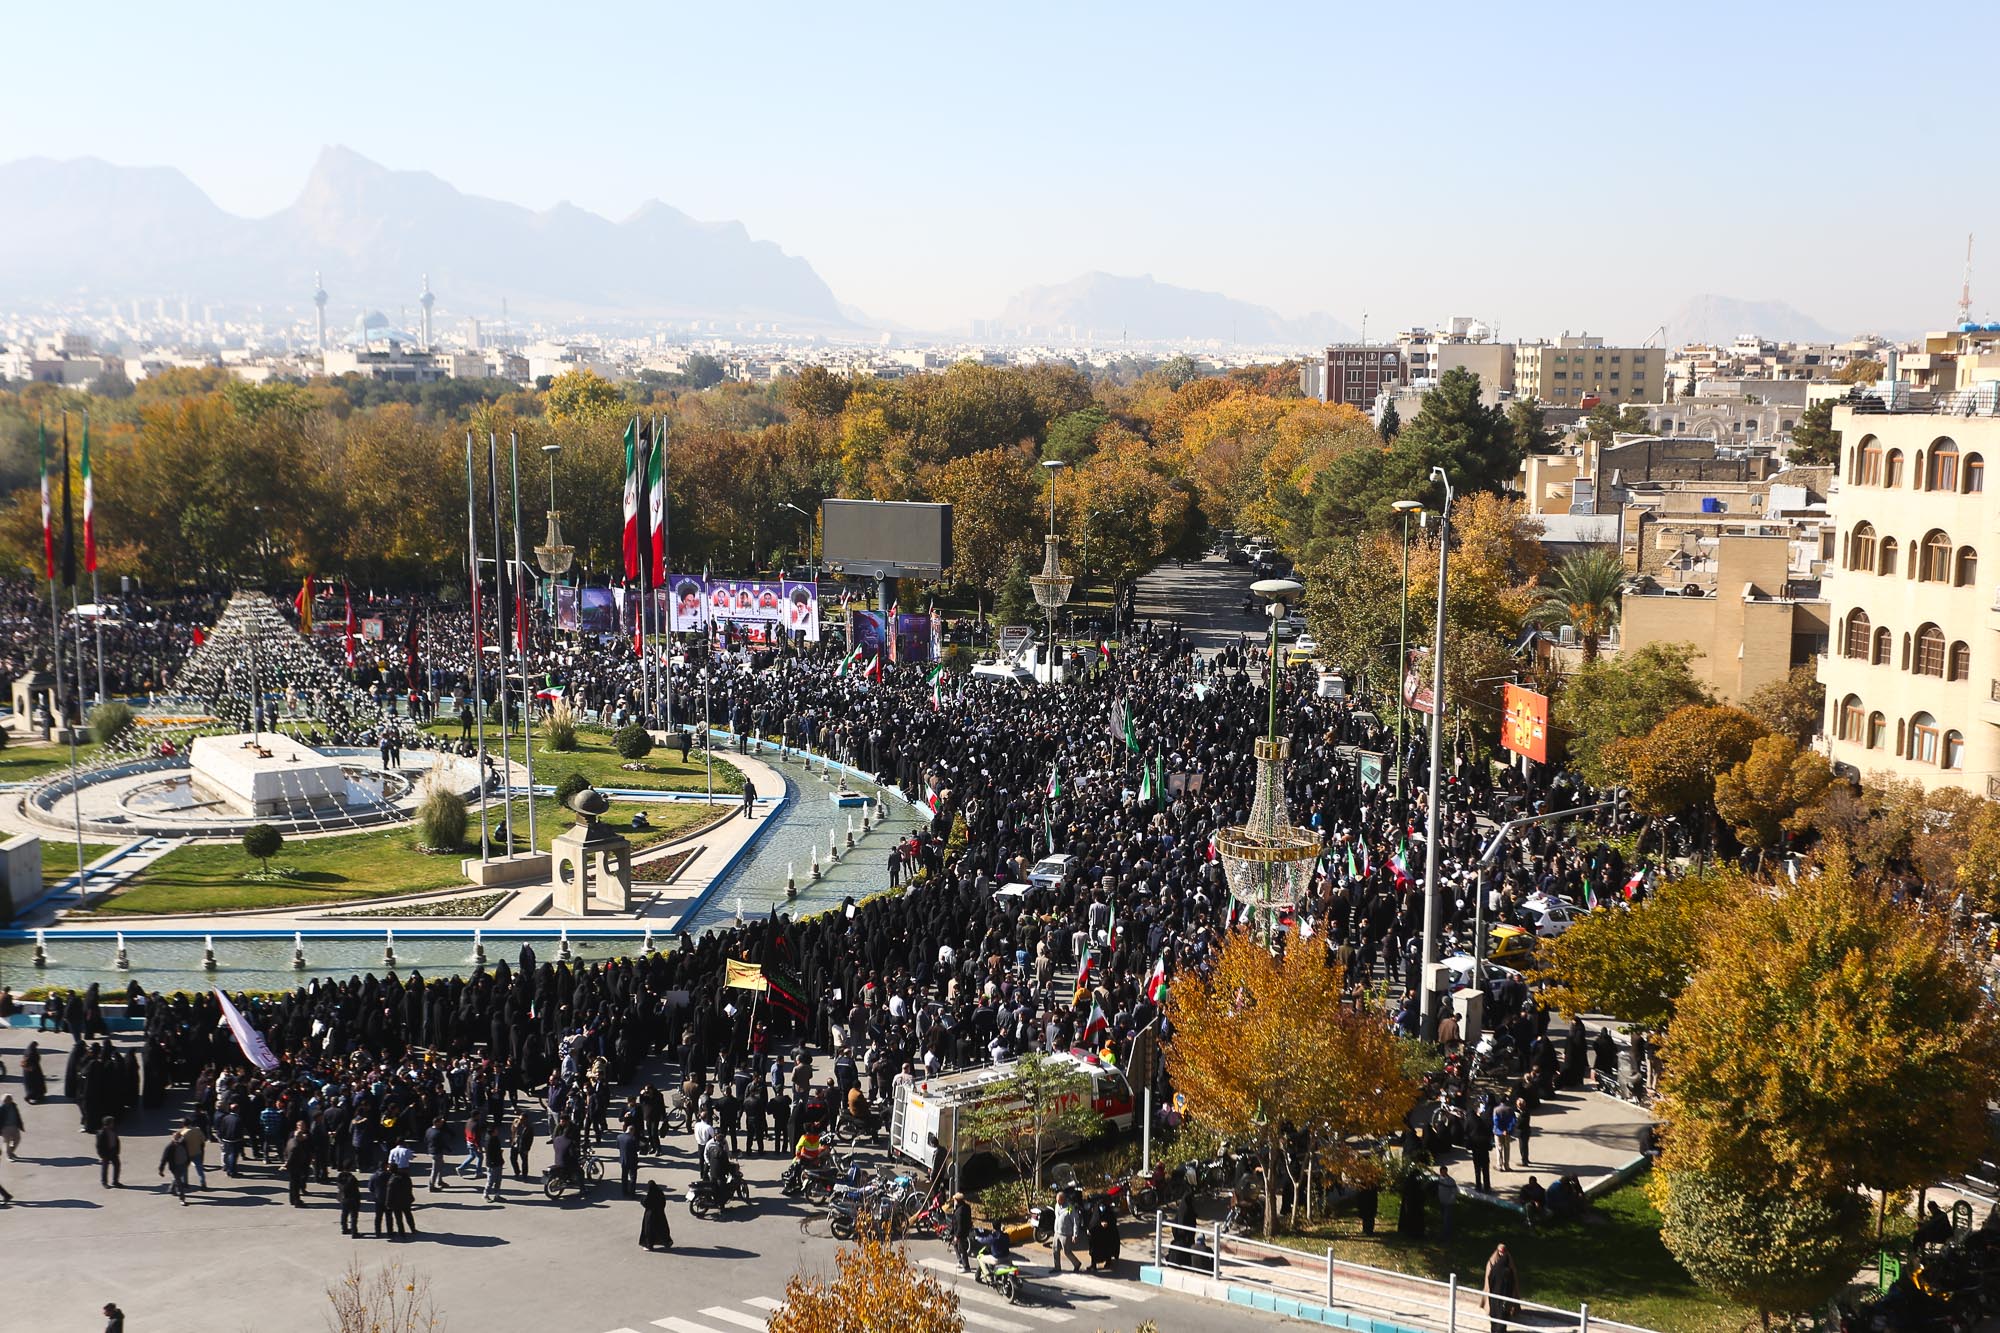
(1954, 750)
(1968, 568)
(1944, 466)
(1924, 739)
(1868, 463)
(1958, 662)
(1878, 731)
(1929, 660)
(1936, 566)
(1861, 547)
(1972, 474)
(1848, 724)
(1892, 469)
(1888, 561)
(1857, 633)
(1885, 643)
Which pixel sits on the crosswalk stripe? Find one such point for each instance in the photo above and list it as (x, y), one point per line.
(729, 1316)
(683, 1325)
(978, 1320)
(1097, 1286)
(624, 1330)
(764, 1303)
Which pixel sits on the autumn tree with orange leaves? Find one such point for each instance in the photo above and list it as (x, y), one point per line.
(1264, 1045)
(875, 1287)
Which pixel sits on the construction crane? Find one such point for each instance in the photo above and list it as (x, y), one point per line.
(1965, 288)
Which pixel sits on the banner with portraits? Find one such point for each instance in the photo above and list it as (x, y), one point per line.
(764, 605)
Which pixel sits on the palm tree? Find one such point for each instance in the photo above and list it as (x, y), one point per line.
(1583, 593)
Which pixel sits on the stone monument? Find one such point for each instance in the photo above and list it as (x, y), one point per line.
(576, 849)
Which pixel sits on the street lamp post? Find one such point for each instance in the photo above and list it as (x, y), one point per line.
(1051, 586)
(1405, 508)
(1434, 825)
(812, 536)
(1267, 860)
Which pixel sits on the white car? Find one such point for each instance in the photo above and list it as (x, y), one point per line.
(1552, 915)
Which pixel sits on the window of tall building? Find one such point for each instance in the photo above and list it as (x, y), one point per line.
(1884, 644)
(1861, 547)
(1892, 468)
(1936, 566)
(1929, 659)
(1954, 750)
(1878, 731)
(1944, 466)
(1924, 739)
(1868, 468)
(1958, 663)
(1858, 634)
(1968, 568)
(1974, 469)
(1848, 725)
(1888, 555)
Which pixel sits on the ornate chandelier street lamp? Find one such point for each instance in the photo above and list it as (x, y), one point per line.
(1267, 860)
(553, 555)
(1051, 585)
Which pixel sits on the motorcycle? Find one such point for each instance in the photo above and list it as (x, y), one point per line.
(556, 1183)
(707, 1196)
(989, 1270)
(812, 1182)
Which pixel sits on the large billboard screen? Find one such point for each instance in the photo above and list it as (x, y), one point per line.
(891, 537)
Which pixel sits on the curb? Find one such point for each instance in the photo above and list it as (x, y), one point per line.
(1249, 1298)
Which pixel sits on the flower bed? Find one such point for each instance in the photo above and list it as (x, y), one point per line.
(470, 905)
(664, 870)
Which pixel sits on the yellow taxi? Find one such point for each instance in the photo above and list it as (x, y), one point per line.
(1509, 945)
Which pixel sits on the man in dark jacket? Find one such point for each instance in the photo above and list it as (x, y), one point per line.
(402, 1202)
(378, 1193)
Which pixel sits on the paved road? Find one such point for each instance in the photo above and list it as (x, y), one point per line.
(1206, 596)
(236, 1257)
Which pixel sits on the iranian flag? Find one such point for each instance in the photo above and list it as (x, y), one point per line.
(1055, 782)
(848, 663)
(89, 505)
(874, 671)
(1097, 1026)
(1083, 972)
(347, 591)
(632, 479)
(1635, 886)
(48, 529)
(1104, 649)
(936, 678)
(1156, 980)
(656, 504)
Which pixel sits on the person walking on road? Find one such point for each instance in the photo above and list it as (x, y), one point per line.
(114, 1319)
(11, 1126)
(1522, 1127)
(653, 1228)
(961, 1230)
(1503, 1286)
(174, 1157)
(1503, 1130)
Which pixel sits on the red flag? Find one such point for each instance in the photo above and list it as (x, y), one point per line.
(348, 593)
(1156, 979)
(1097, 1025)
(304, 604)
(199, 637)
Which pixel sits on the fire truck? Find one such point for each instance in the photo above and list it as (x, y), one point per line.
(932, 1107)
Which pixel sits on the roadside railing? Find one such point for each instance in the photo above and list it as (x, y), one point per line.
(1404, 1300)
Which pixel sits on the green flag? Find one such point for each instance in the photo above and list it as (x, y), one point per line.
(1131, 736)
(1146, 792)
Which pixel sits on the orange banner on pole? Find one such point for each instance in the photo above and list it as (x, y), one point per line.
(1524, 728)
(744, 976)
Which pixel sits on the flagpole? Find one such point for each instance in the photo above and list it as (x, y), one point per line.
(478, 665)
(527, 698)
(500, 639)
(69, 576)
(666, 551)
(708, 688)
(90, 543)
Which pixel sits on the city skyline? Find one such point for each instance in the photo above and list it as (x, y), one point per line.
(928, 188)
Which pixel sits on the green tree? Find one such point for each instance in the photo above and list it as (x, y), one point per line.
(263, 842)
(1453, 430)
(818, 392)
(1016, 602)
(1529, 424)
(584, 397)
(1605, 421)
(1391, 424)
(1770, 793)
(1180, 371)
(1860, 370)
(703, 371)
(1758, 1242)
(1633, 963)
(1041, 1107)
(1584, 593)
(1815, 443)
(1790, 705)
(1621, 697)
(993, 496)
(1073, 435)
(1831, 1039)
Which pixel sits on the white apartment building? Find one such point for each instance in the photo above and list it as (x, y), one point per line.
(1912, 667)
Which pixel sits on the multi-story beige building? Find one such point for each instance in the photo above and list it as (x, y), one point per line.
(1750, 614)
(1576, 366)
(1912, 667)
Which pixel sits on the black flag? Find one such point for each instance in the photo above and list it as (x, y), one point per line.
(410, 653)
(69, 522)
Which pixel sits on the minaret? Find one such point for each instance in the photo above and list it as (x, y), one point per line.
(426, 301)
(319, 300)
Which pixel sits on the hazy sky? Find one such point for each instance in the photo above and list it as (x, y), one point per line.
(1546, 166)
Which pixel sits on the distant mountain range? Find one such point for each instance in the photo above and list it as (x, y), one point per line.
(86, 228)
(1722, 319)
(1108, 307)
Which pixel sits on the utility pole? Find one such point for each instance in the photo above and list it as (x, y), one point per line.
(1434, 827)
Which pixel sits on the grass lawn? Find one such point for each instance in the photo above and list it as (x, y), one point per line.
(59, 856)
(25, 763)
(352, 867)
(595, 759)
(1613, 1259)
